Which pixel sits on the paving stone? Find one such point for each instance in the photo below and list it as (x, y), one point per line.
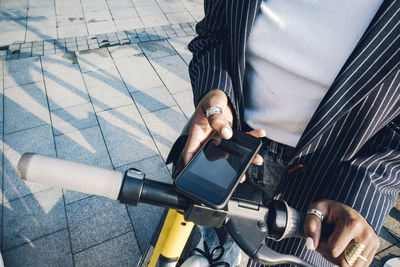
(94, 5)
(173, 72)
(185, 102)
(157, 49)
(16, 36)
(137, 73)
(165, 126)
(124, 51)
(193, 5)
(25, 107)
(386, 239)
(120, 251)
(181, 46)
(179, 17)
(124, 13)
(128, 24)
(32, 217)
(94, 59)
(93, 45)
(73, 30)
(102, 15)
(14, 79)
(154, 20)
(126, 135)
(120, 4)
(65, 21)
(197, 14)
(45, 11)
(87, 147)
(94, 220)
(101, 27)
(171, 7)
(36, 140)
(66, 88)
(22, 65)
(73, 119)
(106, 89)
(390, 252)
(149, 10)
(153, 99)
(59, 63)
(51, 250)
(393, 220)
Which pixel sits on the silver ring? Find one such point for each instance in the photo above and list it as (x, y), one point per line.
(317, 213)
(213, 110)
(362, 258)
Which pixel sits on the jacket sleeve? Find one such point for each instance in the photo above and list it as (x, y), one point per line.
(373, 176)
(209, 69)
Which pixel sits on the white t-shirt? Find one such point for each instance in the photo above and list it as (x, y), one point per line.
(295, 51)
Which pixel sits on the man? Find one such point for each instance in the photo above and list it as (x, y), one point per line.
(253, 59)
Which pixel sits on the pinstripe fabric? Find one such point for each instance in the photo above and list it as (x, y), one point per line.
(351, 146)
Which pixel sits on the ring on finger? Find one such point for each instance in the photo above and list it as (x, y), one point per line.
(317, 213)
(353, 252)
(213, 110)
(361, 257)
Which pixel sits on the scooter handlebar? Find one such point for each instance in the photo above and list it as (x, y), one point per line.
(70, 175)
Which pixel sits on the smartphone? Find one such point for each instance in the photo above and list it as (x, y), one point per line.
(215, 171)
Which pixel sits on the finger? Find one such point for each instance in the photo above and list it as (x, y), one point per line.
(313, 225)
(372, 243)
(257, 133)
(258, 160)
(220, 122)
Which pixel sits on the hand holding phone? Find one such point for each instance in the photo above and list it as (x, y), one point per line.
(215, 171)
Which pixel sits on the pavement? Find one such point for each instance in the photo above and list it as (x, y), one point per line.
(101, 82)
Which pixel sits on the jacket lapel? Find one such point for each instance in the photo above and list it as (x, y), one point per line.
(376, 54)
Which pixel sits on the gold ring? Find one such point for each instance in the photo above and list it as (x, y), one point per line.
(353, 252)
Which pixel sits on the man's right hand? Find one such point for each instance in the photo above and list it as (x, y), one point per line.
(202, 126)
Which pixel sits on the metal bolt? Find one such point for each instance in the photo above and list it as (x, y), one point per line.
(262, 226)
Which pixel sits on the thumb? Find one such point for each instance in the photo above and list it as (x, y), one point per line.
(312, 228)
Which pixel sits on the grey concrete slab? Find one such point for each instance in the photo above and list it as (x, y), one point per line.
(128, 24)
(165, 126)
(25, 107)
(10, 4)
(106, 89)
(173, 72)
(65, 88)
(386, 239)
(170, 7)
(185, 102)
(154, 20)
(70, 31)
(49, 251)
(157, 49)
(179, 17)
(137, 73)
(41, 21)
(124, 51)
(153, 99)
(1, 103)
(87, 147)
(37, 140)
(45, 11)
(32, 217)
(181, 46)
(126, 135)
(22, 65)
(43, 33)
(72, 119)
(70, 20)
(119, 4)
(120, 251)
(101, 27)
(197, 14)
(59, 63)
(12, 37)
(94, 59)
(94, 5)
(89, 226)
(124, 13)
(95, 16)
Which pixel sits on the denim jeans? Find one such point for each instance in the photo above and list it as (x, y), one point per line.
(261, 183)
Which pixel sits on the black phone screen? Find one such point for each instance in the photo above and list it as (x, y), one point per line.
(215, 171)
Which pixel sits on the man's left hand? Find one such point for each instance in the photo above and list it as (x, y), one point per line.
(349, 226)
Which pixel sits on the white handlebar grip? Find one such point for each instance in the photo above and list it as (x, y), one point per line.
(74, 176)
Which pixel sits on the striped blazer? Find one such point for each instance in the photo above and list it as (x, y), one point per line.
(351, 147)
